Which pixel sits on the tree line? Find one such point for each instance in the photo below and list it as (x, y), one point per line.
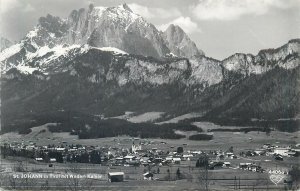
(93, 157)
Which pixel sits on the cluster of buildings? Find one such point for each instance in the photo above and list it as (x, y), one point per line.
(275, 151)
(112, 156)
(136, 156)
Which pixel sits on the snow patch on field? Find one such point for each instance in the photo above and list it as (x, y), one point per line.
(146, 117)
(126, 116)
(39, 132)
(209, 125)
(112, 49)
(181, 117)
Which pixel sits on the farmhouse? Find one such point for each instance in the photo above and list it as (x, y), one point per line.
(116, 176)
(296, 150)
(39, 159)
(158, 160)
(244, 166)
(129, 158)
(291, 153)
(187, 156)
(226, 164)
(260, 151)
(229, 154)
(60, 149)
(176, 160)
(254, 168)
(148, 176)
(233, 157)
(169, 159)
(281, 151)
(196, 152)
(52, 160)
(119, 160)
(133, 163)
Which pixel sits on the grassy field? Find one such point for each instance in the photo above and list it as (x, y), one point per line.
(221, 179)
(221, 140)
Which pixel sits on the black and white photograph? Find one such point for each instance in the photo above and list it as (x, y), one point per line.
(150, 95)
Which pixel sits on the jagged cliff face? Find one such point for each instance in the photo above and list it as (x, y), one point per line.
(206, 70)
(115, 27)
(286, 57)
(180, 44)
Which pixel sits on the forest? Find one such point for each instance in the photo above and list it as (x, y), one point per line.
(88, 126)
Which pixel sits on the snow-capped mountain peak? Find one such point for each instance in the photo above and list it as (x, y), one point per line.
(46, 59)
(125, 7)
(179, 42)
(117, 27)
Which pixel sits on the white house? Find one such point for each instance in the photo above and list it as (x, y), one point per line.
(169, 158)
(148, 176)
(281, 151)
(115, 176)
(52, 159)
(177, 160)
(129, 158)
(259, 151)
(39, 159)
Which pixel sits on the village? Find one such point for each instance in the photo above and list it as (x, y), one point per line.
(153, 160)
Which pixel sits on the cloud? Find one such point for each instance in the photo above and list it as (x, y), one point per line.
(150, 13)
(234, 9)
(6, 5)
(184, 22)
(29, 8)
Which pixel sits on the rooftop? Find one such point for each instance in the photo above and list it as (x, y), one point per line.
(115, 173)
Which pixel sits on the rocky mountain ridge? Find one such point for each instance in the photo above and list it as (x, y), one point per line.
(286, 56)
(115, 27)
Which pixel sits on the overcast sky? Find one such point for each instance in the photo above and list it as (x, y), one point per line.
(218, 27)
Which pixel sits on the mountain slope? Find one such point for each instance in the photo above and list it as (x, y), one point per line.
(272, 95)
(100, 81)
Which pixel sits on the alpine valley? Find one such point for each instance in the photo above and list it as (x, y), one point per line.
(101, 62)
